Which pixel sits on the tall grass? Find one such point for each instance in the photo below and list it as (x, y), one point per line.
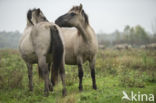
(115, 71)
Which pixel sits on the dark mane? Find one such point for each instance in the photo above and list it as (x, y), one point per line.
(29, 15)
(85, 16)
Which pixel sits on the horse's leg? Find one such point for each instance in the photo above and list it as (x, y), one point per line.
(54, 75)
(45, 73)
(50, 84)
(40, 73)
(92, 68)
(49, 64)
(29, 66)
(80, 73)
(62, 74)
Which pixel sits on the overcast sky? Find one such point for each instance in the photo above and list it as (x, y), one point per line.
(104, 15)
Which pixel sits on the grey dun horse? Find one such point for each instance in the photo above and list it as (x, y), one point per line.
(80, 42)
(42, 43)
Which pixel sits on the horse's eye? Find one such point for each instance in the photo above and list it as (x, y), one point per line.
(72, 14)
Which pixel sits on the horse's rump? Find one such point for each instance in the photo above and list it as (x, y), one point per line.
(47, 41)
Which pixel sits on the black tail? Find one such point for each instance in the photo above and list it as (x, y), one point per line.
(57, 49)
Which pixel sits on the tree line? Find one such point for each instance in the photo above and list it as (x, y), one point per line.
(9, 39)
(135, 36)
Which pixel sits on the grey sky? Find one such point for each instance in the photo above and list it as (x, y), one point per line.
(104, 15)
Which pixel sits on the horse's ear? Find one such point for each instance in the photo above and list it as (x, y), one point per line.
(80, 8)
(38, 11)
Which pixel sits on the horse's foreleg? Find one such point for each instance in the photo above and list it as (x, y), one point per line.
(80, 74)
(45, 73)
(92, 68)
(29, 66)
(62, 74)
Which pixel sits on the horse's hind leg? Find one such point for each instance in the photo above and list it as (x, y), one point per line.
(54, 75)
(40, 73)
(92, 68)
(43, 65)
(50, 84)
(62, 74)
(29, 66)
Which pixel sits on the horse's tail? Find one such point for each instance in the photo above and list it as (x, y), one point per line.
(57, 50)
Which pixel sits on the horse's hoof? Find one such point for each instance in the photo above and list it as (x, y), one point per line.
(50, 87)
(64, 92)
(53, 83)
(80, 88)
(46, 94)
(94, 87)
(31, 89)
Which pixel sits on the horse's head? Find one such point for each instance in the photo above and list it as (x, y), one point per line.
(35, 16)
(75, 17)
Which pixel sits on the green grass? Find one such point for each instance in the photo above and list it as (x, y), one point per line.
(133, 70)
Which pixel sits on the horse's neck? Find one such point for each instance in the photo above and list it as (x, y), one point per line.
(87, 33)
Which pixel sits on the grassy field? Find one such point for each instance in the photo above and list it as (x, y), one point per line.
(116, 71)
